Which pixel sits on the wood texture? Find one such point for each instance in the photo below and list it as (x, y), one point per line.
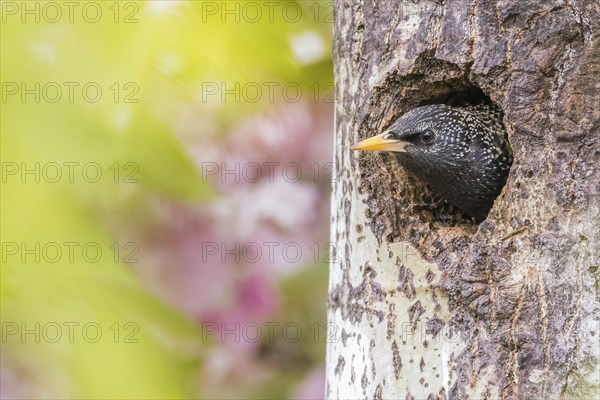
(424, 306)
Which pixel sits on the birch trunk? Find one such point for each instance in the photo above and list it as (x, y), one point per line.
(427, 307)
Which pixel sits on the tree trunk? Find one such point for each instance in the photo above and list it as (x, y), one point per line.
(423, 305)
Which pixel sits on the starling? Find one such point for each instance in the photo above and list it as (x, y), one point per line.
(461, 152)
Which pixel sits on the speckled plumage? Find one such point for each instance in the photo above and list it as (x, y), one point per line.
(468, 161)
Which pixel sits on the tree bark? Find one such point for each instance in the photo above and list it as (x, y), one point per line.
(422, 305)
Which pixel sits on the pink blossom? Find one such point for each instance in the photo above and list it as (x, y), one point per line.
(312, 387)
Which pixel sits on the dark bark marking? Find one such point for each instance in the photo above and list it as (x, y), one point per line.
(378, 392)
(339, 368)
(414, 312)
(352, 371)
(364, 381)
(396, 360)
(405, 277)
(434, 325)
(391, 328)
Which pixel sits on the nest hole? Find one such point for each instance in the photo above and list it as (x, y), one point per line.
(412, 209)
(459, 96)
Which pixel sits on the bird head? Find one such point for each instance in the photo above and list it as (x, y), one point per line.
(462, 153)
(429, 136)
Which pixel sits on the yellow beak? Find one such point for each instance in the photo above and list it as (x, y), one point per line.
(378, 143)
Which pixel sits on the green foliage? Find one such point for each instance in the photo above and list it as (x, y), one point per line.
(148, 71)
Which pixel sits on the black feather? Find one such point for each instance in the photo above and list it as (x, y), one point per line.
(469, 160)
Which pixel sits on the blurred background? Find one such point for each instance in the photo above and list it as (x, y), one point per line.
(165, 198)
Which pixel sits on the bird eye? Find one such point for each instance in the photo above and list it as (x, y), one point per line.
(388, 136)
(427, 136)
